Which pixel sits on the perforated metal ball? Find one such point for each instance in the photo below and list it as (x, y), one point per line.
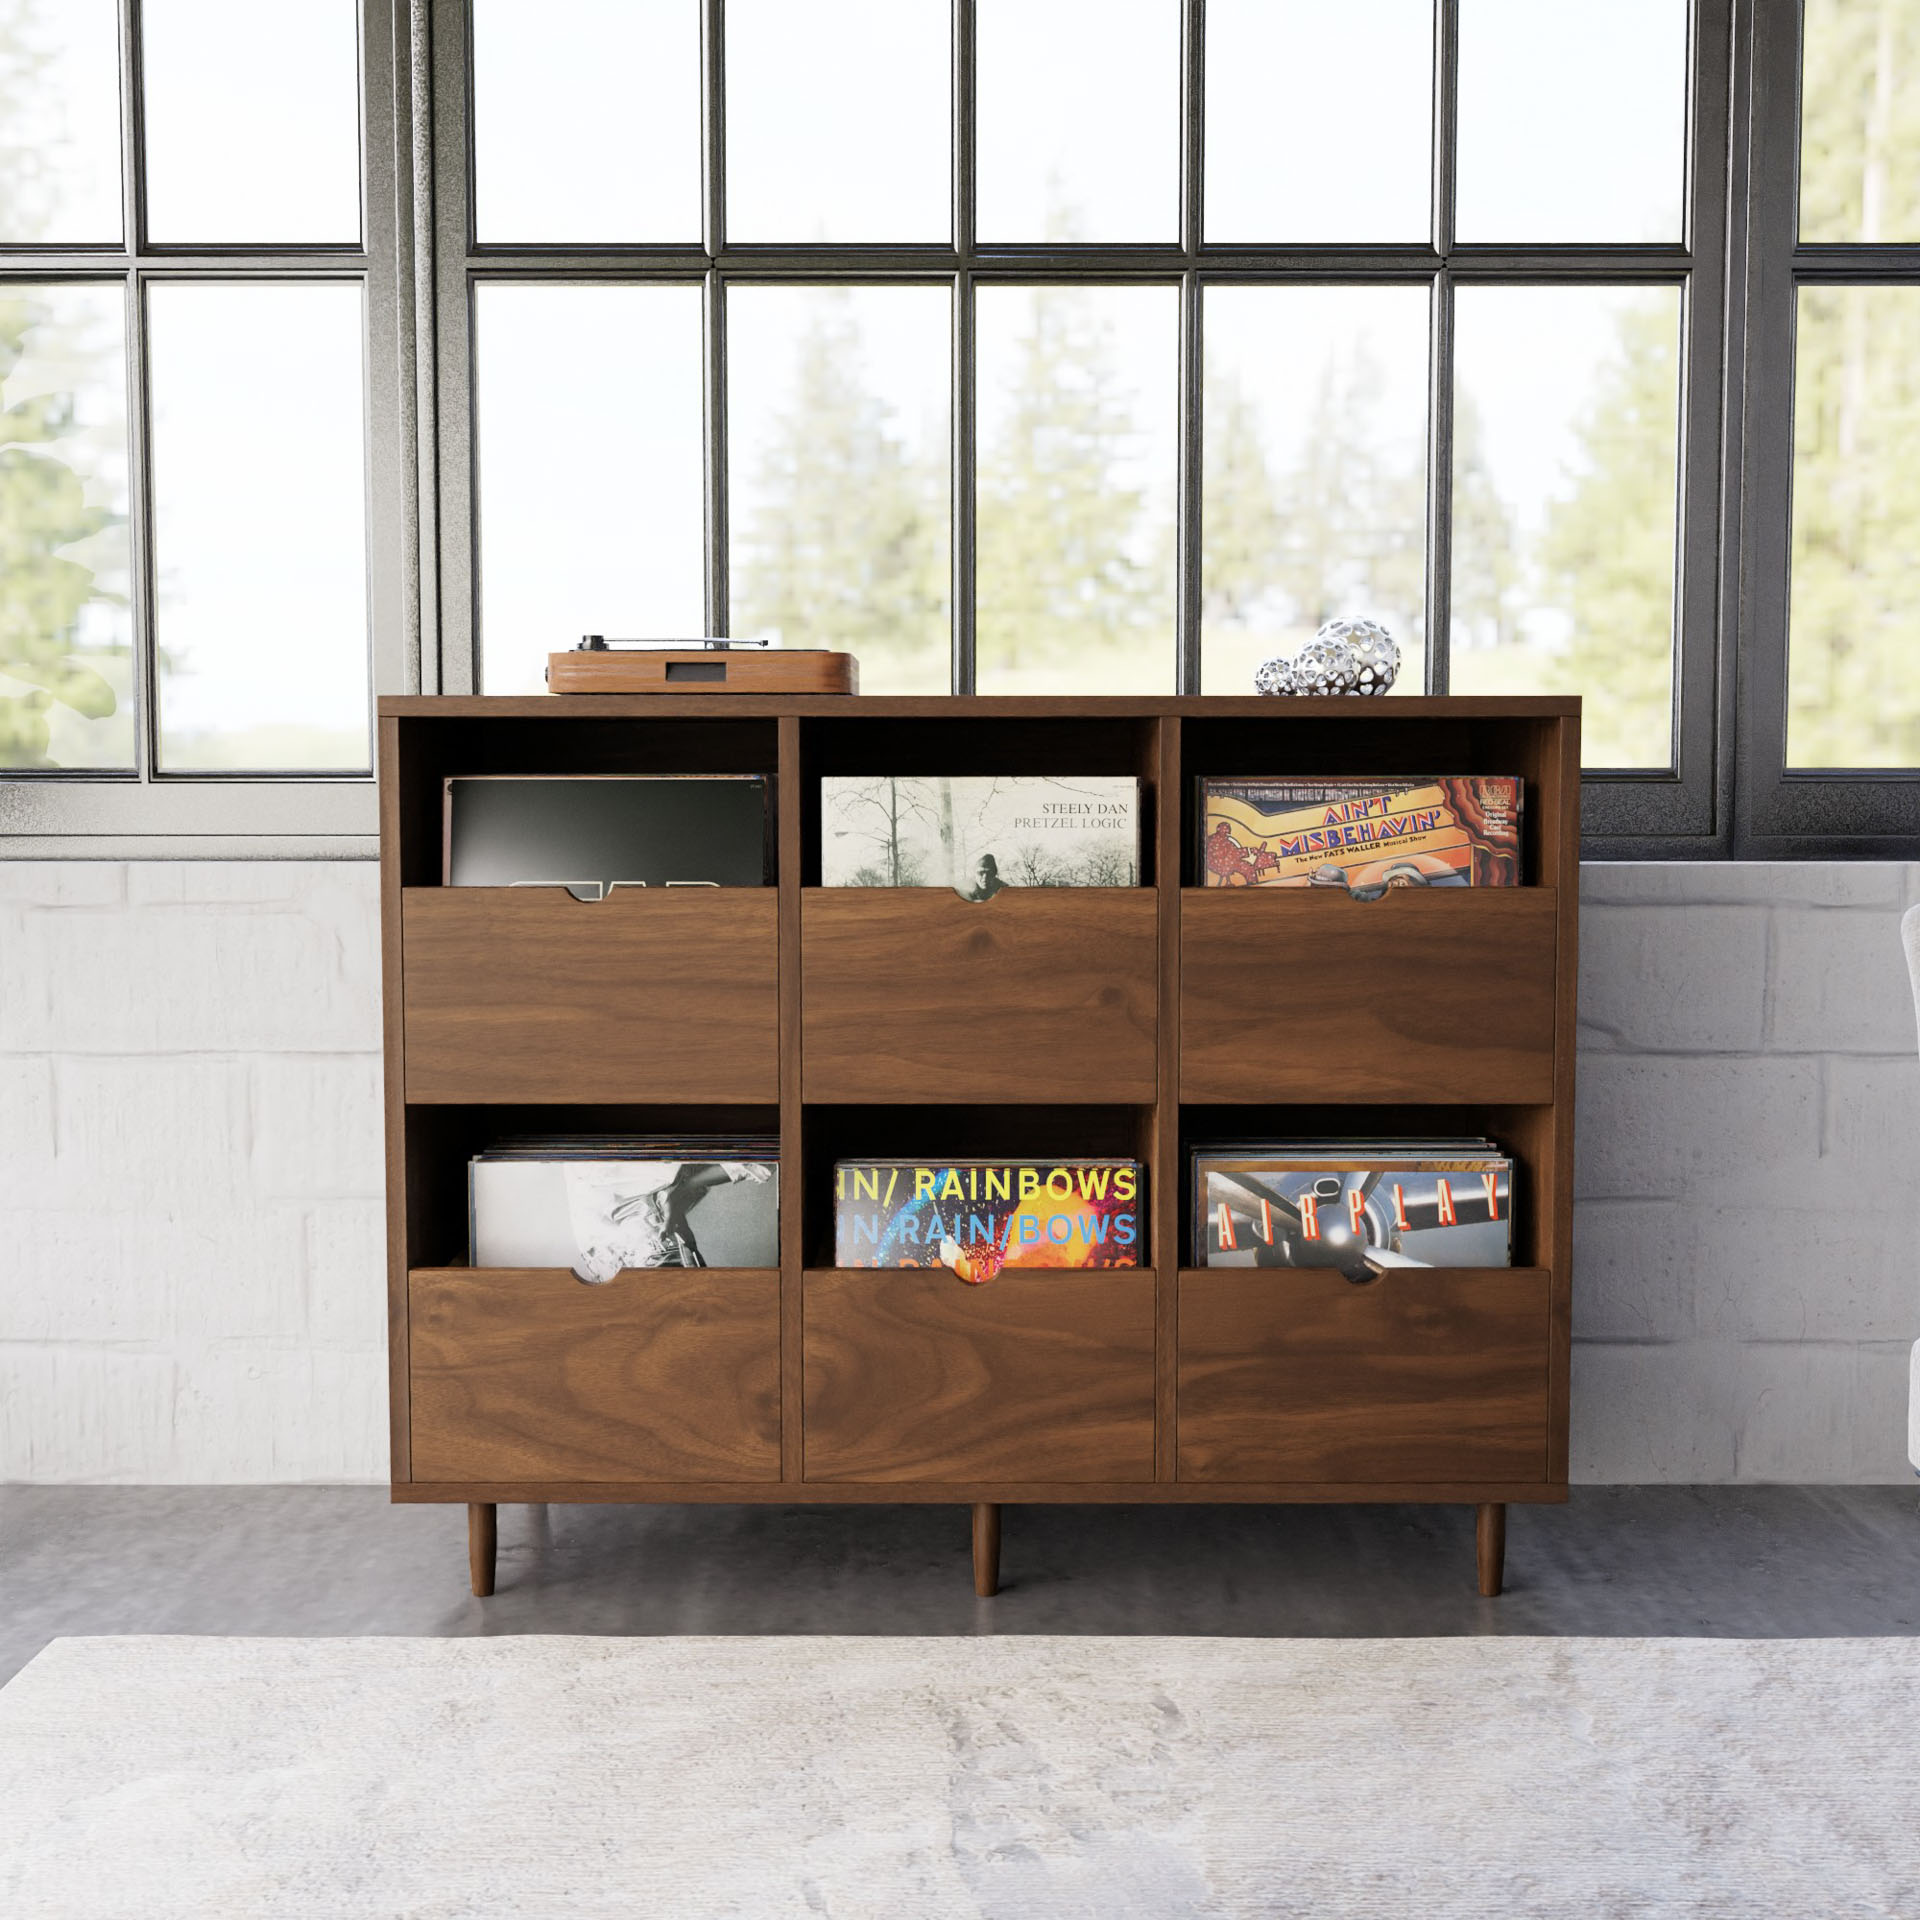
(1376, 654)
(1274, 676)
(1324, 666)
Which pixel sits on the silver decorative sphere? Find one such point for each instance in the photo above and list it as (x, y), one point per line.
(1325, 666)
(1376, 654)
(1275, 676)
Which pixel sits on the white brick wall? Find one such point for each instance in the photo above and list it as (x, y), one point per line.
(191, 1250)
(190, 1242)
(1746, 1277)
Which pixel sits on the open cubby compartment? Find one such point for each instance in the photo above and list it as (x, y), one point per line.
(1525, 1132)
(440, 1140)
(967, 742)
(571, 741)
(1363, 737)
(938, 1134)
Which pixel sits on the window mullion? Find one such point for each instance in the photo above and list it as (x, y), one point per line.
(965, 185)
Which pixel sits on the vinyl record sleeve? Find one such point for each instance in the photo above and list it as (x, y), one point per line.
(611, 829)
(1364, 835)
(979, 833)
(600, 1216)
(1306, 1210)
(976, 1217)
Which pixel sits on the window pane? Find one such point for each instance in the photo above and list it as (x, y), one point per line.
(252, 122)
(1079, 105)
(1566, 433)
(60, 122)
(1314, 503)
(586, 121)
(588, 404)
(839, 476)
(259, 512)
(839, 118)
(1319, 121)
(1573, 121)
(1853, 660)
(1078, 434)
(1860, 121)
(66, 624)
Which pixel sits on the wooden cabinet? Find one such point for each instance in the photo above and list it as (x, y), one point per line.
(1443, 996)
(864, 1021)
(525, 993)
(1041, 1377)
(1416, 1377)
(530, 1375)
(1042, 995)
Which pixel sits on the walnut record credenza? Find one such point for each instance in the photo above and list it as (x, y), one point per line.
(866, 1021)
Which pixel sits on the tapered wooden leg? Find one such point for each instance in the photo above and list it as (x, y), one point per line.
(1490, 1542)
(986, 1550)
(483, 1538)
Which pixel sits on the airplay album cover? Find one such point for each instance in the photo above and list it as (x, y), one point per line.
(1364, 835)
(979, 834)
(600, 1204)
(976, 1217)
(1359, 1207)
(593, 832)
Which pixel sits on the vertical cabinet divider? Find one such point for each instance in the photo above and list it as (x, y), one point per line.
(789, 801)
(1164, 1196)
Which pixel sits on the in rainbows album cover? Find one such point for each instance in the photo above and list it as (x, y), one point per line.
(975, 1217)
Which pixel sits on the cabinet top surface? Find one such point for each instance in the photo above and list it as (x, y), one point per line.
(656, 706)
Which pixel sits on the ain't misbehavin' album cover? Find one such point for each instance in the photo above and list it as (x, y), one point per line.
(979, 833)
(1363, 834)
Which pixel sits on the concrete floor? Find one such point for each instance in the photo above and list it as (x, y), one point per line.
(1733, 1561)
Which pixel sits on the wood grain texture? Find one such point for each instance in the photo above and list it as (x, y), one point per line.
(986, 1549)
(483, 1546)
(1361, 715)
(960, 1493)
(529, 1375)
(1561, 797)
(1040, 994)
(1303, 995)
(1490, 1547)
(1037, 1376)
(791, 807)
(525, 993)
(393, 1102)
(771, 671)
(1165, 1176)
(1425, 1374)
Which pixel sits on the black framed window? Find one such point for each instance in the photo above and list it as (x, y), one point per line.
(1829, 653)
(1043, 347)
(196, 290)
(1018, 345)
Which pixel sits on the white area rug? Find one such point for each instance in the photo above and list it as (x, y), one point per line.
(1021, 1779)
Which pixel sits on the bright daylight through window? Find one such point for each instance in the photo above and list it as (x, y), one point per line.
(183, 589)
(1016, 346)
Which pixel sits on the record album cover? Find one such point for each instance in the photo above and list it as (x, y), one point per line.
(975, 1217)
(1363, 835)
(599, 831)
(604, 1204)
(979, 833)
(1359, 1211)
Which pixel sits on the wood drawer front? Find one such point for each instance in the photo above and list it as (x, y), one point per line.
(916, 1376)
(525, 993)
(1041, 994)
(1311, 996)
(1421, 1375)
(672, 1374)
